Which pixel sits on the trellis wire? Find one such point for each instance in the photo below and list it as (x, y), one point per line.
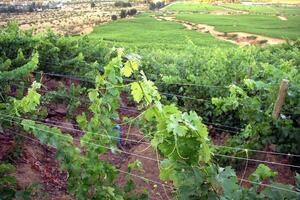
(216, 146)
(237, 148)
(88, 80)
(220, 155)
(76, 130)
(150, 180)
(259, 161)
(121, 171)
(130, 80)
(77, 140)
(257, 151)
(267, 185)
(136, 111)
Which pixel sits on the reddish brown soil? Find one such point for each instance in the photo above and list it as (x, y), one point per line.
(35, 165)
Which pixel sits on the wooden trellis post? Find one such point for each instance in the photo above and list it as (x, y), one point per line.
(280, 98)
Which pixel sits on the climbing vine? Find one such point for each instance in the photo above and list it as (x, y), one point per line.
(188, 162)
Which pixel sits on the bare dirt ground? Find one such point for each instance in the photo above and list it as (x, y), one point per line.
(283, 18)
(73, 19)
(239, 38)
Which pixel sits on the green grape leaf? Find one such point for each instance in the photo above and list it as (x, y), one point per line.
(175, 126)
(274, 193)
(7, 168)
(227, 179)
(136, 92)
(297, 180)
(93, 95)
(99, 80)
(82, 121)
(205, 153)
(261, 173)
(129, 67)
(134, 164)
(127, 70)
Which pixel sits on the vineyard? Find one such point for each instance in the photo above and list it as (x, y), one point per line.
(187, 101)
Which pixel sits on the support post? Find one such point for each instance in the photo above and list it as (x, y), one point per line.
(280, 98)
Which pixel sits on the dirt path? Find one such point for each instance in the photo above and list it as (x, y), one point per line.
(239, 38)
(283, 18)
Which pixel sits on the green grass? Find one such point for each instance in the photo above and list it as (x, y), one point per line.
(189, 6)
(259, 9)
(144, 31)
(274, 9)
(257, 24)
(288, 10)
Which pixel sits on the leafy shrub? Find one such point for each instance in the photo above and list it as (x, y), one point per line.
(132, 12)
(159, 4)
(152, 6)
(212, 70)
(122, 4)
(93, 4)
(56, 54)
(195, 176)
(114, 17)
(8, 185)
(77, 164)
(123, 14)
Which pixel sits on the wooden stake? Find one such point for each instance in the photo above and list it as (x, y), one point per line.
(280, 98)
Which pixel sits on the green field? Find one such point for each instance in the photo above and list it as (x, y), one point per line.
(256, 24)
(258, 9)
(146, 32)
(283, 10)
(188, 6)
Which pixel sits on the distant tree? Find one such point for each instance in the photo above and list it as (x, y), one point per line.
(122, 4)
(152, 6)
(132, 12)
(159, 4)
(11, 9)
(93, 4)
(123, 14)
(32, 7)
(127, 4)
(114, 17)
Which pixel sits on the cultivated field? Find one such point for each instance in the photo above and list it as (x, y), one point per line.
(239, 26)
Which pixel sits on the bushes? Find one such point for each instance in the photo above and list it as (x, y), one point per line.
(157, 5)
(93, 5)
(122, 4)
(213, 70)
(123, 13)
(152, 6)
(114, 17)
(56, 54)
(132, 12)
